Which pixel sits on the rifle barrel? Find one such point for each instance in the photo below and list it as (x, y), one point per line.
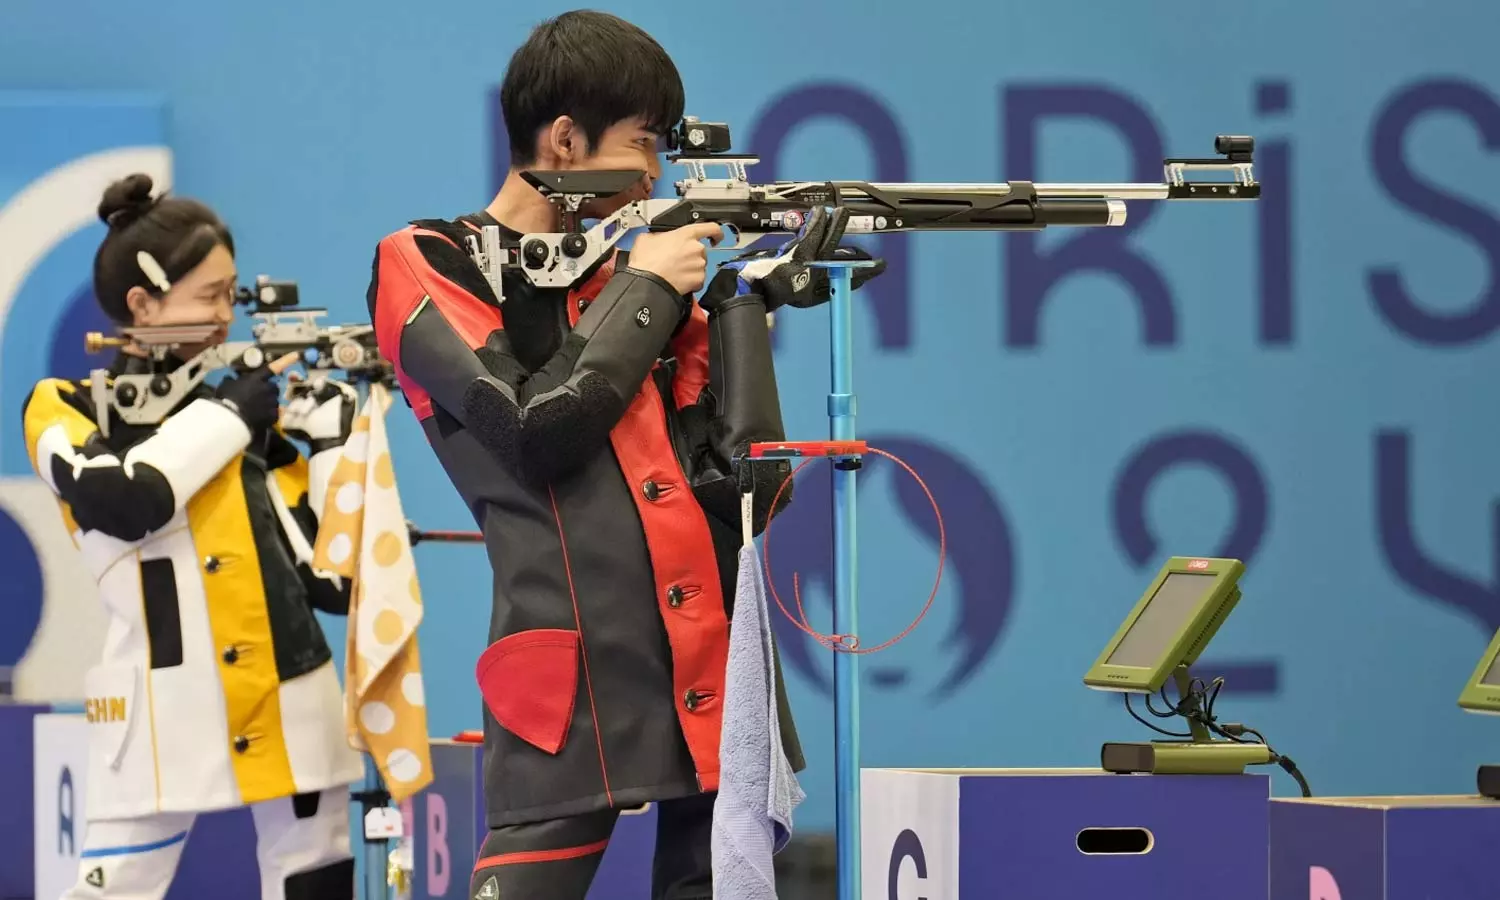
(1122, 191)
(1104, 191)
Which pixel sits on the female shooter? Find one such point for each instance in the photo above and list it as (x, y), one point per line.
(216, 688)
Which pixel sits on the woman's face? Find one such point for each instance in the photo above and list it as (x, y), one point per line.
(201, 297)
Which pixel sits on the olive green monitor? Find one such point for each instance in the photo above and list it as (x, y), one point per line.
(1169, 626)
(1482, 693)
(1161, 638)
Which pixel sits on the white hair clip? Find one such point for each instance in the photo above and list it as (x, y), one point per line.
(154, 272)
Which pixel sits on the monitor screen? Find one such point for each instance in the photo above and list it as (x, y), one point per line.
(1162, 620)
(1492, 674)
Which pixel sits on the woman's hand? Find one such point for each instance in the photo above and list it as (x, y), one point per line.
(254, 395)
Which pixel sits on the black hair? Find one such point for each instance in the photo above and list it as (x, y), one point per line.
(178, 232)
(594, 67)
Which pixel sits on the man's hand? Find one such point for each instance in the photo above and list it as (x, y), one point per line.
(782, 276)
(320, 411)
(677, 256)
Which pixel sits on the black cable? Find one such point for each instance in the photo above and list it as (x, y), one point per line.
(1291, 769)
(1232, 731)
(1285, 762)
(1136, 716)
(1173, 709)
(1169, 713)
(1208, 708)
(1198, 706)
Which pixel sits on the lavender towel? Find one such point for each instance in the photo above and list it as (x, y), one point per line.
(757, 788)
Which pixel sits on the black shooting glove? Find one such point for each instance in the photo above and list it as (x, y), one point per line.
(254, 395)
(782, 275)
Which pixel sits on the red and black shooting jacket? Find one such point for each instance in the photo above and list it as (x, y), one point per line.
(610, 511)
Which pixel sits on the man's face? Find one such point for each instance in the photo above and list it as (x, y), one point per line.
(624, 145)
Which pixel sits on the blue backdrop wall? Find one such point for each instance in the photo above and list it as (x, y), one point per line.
(1305, 383)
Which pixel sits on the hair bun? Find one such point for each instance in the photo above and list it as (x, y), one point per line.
(126, 200)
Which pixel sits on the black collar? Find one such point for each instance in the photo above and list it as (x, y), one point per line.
(483, 218)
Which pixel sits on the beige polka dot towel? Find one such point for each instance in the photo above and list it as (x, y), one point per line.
(363, 537)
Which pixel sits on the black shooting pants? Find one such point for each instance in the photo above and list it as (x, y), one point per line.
(557, 859)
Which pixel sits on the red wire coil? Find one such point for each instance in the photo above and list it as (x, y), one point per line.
(849, 643)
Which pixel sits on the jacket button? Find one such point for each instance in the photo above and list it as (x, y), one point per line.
(651, 490)
(210, 564)
(241, 744)
(231, 655)
(690, 700)
(674, 596)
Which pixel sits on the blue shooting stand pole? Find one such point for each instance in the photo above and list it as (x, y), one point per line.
(375, 851)
(846, 462)
(841, 410)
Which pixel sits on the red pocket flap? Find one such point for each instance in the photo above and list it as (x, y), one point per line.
(529, 681)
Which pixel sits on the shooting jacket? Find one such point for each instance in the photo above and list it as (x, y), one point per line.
(610, 514)
(215, 688)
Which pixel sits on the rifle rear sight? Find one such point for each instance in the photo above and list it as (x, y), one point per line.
(268, 296)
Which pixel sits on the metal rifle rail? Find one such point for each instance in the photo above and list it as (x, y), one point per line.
(350, 349)
(752, 211)
(282, 325)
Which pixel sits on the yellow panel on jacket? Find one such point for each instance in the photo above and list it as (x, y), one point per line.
(194, 713)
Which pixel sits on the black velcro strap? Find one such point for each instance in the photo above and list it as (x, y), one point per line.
(305, 806)
(163, 618)
(334, 881)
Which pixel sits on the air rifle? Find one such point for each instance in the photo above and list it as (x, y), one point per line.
(752, 211)
(280, 327)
